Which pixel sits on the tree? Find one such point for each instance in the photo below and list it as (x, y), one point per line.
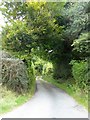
(49, 28)
(38, 26)
(75, 21)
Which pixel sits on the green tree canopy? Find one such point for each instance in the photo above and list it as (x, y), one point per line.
(48, 28)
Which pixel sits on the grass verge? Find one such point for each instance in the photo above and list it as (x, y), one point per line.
(69, 87)
(9, 100)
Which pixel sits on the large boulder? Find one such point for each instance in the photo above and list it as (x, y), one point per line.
(14, 73)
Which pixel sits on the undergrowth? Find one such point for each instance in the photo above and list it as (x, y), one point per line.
(10, 100)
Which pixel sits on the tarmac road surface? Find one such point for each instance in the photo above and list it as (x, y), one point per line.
(49, 102)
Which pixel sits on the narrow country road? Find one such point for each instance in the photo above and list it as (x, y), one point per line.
(49, 102)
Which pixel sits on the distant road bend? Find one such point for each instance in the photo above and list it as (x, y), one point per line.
(49, 102)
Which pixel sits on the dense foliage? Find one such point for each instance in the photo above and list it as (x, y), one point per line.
(56, 32)
(80, 73)
(81, 46)
(14, 75)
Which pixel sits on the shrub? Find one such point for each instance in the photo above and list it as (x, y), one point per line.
(81, 45)
(42, 67)
(80, 73)
(47, 68)
(29, 68)
(14, 75)
(38, 68)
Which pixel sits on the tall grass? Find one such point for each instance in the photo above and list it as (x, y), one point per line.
(9, 100)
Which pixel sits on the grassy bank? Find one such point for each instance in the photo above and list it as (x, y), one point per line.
(9, 100)
(69, 87)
